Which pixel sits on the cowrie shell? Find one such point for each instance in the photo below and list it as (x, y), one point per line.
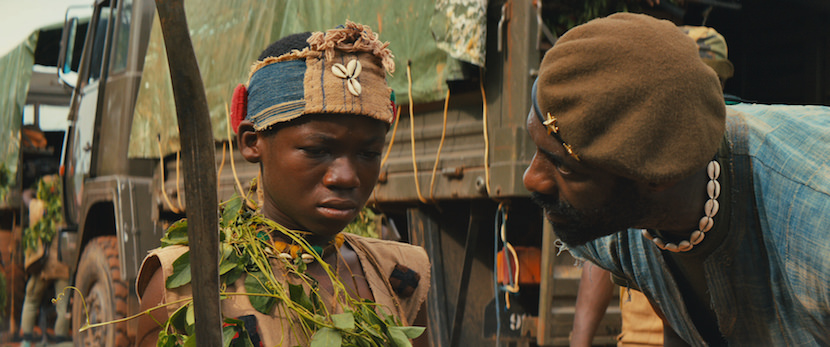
(697, 237)
(354, 68)
(705, 224)
(657, 241)
(286, 256)
(711, 207)
(684, 246)
(713, 169)
(354, 87)
(307, 258)
(339, 70)
(713, 189)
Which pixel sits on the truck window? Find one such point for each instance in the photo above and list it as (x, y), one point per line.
(122, 37)
(98, 45)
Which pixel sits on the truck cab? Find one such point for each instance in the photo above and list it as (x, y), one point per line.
(107, 195)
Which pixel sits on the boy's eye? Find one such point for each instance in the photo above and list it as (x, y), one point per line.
(370, 154)
(313, 151)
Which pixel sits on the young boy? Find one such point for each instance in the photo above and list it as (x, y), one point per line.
(314, 116)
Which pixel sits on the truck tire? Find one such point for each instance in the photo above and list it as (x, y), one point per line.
(104, 293)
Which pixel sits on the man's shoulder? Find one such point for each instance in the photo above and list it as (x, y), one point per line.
(774, 112)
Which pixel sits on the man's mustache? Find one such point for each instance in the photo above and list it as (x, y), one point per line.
(553, 205)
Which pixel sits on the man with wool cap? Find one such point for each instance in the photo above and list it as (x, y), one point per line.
(718, 214)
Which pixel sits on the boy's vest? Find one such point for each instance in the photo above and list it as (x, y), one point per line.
(377, 257)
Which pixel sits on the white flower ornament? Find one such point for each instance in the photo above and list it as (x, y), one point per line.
(350, 73)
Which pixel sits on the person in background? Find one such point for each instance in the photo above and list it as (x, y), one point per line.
(42, 263)
(719, 214)
(641, 326)
(314, 115)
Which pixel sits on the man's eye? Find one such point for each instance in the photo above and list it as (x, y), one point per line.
(563, 169)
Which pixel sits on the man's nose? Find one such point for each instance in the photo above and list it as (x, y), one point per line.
(536, 179)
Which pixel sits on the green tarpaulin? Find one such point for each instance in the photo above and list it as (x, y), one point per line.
(229, 35)
(15, 75)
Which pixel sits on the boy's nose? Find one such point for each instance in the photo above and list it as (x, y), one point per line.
(342, 174)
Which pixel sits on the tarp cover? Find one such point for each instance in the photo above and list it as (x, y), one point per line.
(229, 35)
(15, 75)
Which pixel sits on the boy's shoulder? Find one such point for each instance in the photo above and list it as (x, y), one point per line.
(388, 249)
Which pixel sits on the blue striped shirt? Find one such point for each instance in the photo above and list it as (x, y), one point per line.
(769, 280)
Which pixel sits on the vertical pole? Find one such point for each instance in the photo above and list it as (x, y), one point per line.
(198, 158)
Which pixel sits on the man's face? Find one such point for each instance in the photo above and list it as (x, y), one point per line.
(582, 203)
(319, 170)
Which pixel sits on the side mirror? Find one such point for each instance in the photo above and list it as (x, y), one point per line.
(72, 43)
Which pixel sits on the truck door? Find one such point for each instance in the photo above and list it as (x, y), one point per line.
(79, 163)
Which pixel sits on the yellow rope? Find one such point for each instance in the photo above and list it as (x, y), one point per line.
(392, 140)
(233, 163)
(163, 189)
(412, 131)
(440, 146)
(221, 166)
(486, 137)
(388, 150)
(178, 179)
(511, 254)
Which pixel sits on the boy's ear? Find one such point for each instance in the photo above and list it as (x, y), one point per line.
(247, 139)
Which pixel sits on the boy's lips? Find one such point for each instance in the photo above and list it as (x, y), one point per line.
(338, 208)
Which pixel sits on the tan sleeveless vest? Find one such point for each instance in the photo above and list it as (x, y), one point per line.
(378, 258)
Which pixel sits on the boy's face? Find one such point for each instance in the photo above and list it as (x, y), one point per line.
(317, 171)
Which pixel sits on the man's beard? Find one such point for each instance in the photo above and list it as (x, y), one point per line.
(626, 208)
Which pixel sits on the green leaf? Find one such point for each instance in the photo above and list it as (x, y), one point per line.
(234, 274)
(254, 284)
(410, 332)
(326, 337)
(398, 337)
(343, 321)
(372, 329)
(228, 333)
(181, 272)
(226, 265)
(166, 340)
(231, 210)
(177, 319)
(189, 341)
(190, 318)
(298, 295)
(176, 234)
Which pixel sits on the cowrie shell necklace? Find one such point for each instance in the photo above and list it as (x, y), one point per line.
(710, 209)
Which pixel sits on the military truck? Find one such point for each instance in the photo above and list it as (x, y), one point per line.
(451, 179)
(451, 182)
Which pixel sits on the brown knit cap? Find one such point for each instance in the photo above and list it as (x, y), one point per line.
(631, 96)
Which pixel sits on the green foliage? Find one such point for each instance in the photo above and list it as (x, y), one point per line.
(565, 14)
(366, 224)
(246, 249)
(48, 190)
(6, 181)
